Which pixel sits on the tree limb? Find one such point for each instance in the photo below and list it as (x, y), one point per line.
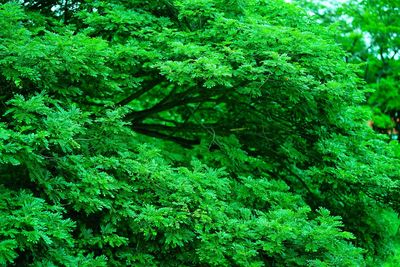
(187, 143)
(140, 92)
(163, 106)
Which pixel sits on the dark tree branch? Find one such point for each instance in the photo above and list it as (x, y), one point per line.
(166, 105)
(187, 143)
(172, 95)
(66, 11)
(186, 127)
(140, 92)
(394, 53)
(382, 56)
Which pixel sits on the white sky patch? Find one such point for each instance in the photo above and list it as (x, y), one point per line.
(55, 8)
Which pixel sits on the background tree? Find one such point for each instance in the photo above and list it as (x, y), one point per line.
(216, 133)
(369, 32)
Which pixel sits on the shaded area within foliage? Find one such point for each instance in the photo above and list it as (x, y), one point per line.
(185, 133)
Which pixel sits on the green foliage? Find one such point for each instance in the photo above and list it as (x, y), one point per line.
(368, 30)
(184, 133)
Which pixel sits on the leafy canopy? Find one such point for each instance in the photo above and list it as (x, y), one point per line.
(184, 133)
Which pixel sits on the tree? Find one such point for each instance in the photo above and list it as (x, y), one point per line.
(191, 132)
(369, 32)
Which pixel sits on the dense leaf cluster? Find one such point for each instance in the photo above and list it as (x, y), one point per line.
(184, 133)
(369, 32)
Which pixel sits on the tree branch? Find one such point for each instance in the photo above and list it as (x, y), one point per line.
(166, 105)
(187, 143)
(187, 127)
(137, 94)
